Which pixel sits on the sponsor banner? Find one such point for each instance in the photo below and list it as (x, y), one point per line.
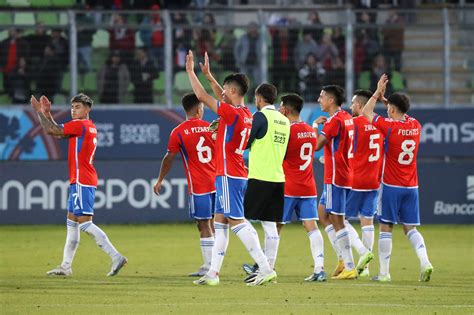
(36, 192)
(131, 133)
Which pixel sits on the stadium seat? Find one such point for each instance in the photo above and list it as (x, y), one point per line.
(48, 18)
(364, 80)
(238, 32)
(19, 3)
(40, 3)
(24, 18)
(205, 83)
(3, 35)
(66, 84)
(181, 82)
(160, 83)
(63, 18)
(100, 39)
(99, 57)
(63, 3)
(5, 99)
(223, 75)
(397, 81)
(61, 99)
(89, 82)
(6, 18)
(4, 3)
(1, 82)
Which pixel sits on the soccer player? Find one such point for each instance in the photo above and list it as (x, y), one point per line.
(300, 187)
(362, 198)
(268, 142)
(192, 139)
(231, 175)
(82, 136)
(399, 192)
(337, 139)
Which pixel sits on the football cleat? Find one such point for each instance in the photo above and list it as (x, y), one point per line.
(60, 271)
(382, 278)
(201, 272)
(346, 275)
(339, 268)
(365, 272)
(363, 261)
(207, 280)
(117, 265)
(251, 277)
(425, 275)
(317, 277)
(250, 269)
(262, 279)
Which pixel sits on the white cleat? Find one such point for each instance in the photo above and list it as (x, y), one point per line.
(117, 265)
(201, 272)
(60, 271)
(262, 279)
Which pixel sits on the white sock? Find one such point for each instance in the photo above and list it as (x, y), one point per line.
(207, 243)
(317, 249)
(72, 243)
(344, 243)
(100, 238)
(418, 244)
(249, 238)
(355, 240)
(368, 236)
(385, 250)
(221, 242)
(272, 240)
(331, 232)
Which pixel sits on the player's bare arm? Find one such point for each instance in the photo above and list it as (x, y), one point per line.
(164, 170)
(197, 86)
(321, 140)
(368, 110)
(46, 109)
(49, 126)
(205, 68)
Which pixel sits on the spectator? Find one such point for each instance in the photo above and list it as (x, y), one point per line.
(311, 78)
(359, 53)
(247, 54)
(121, 39)
(337, 74)
(182, 37)
(11, 50)
(371, 48)
(37, 41)
(304, 47)
(327, 52)
(20, 83)
(284, 40)
(49, 73)
(339, 39)
(113, 80)
(84, 42)
(152, 36)
(206, 36)
(379, 67)
(61, 48)
(225, 50)
(143, 72)
(393, 40)
(315, 21)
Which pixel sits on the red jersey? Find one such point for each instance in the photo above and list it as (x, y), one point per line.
(368, 155)
(232, 137)
(82, 144)
(402, 138)
(338, 152)
(192, 139)
(298, 162)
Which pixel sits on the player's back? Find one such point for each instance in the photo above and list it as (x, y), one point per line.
(298, 162)
(368, 155)
(232, 137)
(402, 142)
(82, 145)
(197, 151)
(338, 152)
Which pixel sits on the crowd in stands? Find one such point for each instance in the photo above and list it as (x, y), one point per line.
(303, 56)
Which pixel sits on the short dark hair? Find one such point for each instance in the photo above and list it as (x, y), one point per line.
(293, 101)
(365, 94)
(241, 80)
(400, 101)
(268, 92)
(82, 98)
(337, 92)
(189, 101)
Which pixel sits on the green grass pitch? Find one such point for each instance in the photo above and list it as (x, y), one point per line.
(160, 256)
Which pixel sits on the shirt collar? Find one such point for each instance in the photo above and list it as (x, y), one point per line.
(268, 107)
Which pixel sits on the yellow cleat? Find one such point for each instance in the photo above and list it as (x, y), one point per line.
(346, 275)
(339, 268)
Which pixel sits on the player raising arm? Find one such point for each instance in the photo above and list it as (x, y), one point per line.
(399, 192)
(231, 175)
(82, 135)
(192, 139)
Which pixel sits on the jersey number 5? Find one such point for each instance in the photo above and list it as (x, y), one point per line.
(376, 146)
(204, 152)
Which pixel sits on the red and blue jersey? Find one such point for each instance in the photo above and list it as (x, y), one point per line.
(298, 162)
(232, 137)
(82, 145)
(338, 151)
(192, 139)
(402, 139)
(368, 155)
